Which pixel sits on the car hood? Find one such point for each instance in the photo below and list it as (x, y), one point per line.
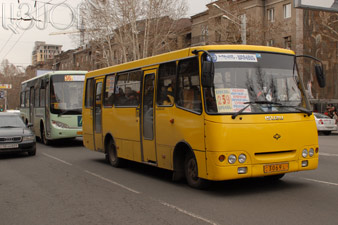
(6, 132)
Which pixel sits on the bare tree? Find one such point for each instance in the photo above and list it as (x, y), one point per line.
(124, 30)
(10, 74)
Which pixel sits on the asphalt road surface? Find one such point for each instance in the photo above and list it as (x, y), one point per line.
(68, 184)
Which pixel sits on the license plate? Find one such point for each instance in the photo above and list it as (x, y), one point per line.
(271, 168)
(3, 146)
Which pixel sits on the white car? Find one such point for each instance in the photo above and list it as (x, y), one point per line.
(325, 124)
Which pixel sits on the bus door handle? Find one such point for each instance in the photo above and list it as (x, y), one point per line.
(137, 113)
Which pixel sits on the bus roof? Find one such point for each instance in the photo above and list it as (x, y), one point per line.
(58, 72)
(183, 53)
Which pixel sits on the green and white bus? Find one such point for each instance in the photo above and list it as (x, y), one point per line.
(52, 102)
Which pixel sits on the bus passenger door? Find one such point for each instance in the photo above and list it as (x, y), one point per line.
(147, 115)
(97, 115)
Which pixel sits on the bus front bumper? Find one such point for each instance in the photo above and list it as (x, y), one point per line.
(239, 171)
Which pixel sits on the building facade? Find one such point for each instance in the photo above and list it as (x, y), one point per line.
(43, 52)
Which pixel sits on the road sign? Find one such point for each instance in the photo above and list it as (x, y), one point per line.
(5, 86)
(2, 94)
(326, 5)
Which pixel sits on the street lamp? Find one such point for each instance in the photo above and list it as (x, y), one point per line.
(241, 23)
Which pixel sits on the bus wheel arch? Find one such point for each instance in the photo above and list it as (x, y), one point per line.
(185, 165)
(111, 153)
(43, 136)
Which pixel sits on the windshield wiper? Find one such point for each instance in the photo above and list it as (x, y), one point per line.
(303, 110)
(251, 103)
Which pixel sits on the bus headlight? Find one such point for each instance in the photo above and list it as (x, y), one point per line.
(59, 124)
(232, 159)
(311, 152)
(304, 153)
(242, 158)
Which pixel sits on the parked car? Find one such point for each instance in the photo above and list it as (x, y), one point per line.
(325, 124)
(15, 136)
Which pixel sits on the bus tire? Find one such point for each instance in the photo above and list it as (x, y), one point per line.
(44, 139)
(191, 173)
(112, 157)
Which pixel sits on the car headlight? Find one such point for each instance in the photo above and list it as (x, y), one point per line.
(304, 153)
(232, 159)
(28, 138)
(242, 158)
(59, 124)
(311, 152)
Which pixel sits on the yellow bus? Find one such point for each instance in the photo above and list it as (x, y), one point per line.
(207, 113)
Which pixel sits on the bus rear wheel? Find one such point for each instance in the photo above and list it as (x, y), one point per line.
(191, 173)
(112, 157)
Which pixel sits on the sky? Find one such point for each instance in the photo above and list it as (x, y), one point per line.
(17, 39)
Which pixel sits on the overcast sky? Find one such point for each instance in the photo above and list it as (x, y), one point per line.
(17, 47)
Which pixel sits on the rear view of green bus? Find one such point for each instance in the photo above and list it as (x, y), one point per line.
(52, 103)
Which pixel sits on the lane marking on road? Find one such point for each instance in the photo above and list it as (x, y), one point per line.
(60, 160)
(322, 182)
(328, 154)
(187, 213)
(112, 182)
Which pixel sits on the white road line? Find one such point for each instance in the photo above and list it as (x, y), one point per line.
(328, 154)
(322, 182)
(113, 182)
(60, 160)
(187, 213)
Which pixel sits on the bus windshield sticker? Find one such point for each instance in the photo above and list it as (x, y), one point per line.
(234, 57)
(74, 77)
(231, 99)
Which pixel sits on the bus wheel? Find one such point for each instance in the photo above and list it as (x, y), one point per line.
(44, 139)
(191, 173)
(112, 155)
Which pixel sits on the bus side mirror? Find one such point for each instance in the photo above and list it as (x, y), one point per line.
(207, 74)
(320, 76)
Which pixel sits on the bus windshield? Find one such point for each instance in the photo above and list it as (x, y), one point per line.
(66, 94)
(261, 82)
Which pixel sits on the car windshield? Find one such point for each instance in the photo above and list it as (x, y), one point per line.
(321, 116)
(11, 121)
(264, 82)
(66, 94)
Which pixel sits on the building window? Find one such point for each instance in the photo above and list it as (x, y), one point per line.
(287, 11)
(270, 42)
(287, 42)
(271, 15)
(205, 33)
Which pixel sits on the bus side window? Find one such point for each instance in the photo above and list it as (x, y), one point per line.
(22, 99)
(127, 90)
(189, 94)
(109, 90)
(27, 99)
(36, 97)
(166, 84)
(89, 93)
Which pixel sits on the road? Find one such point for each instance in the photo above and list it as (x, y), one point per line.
(68, 184)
